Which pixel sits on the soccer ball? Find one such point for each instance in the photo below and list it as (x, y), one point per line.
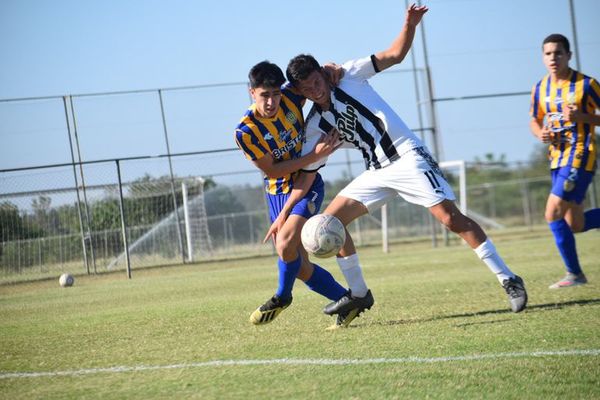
(66, 280)
(323, 235)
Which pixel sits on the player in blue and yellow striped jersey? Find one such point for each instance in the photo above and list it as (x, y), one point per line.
(563, 111)
(270, 134)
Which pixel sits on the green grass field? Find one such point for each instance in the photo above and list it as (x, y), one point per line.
(440, 329)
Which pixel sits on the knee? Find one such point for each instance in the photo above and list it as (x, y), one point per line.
(553, 212)
(285, 249)
(552, 215)
(452, 222)
(577, 226)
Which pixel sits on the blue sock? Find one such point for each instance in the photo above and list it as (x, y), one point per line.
(565, 241)
(322, 282)
(592, 219)
(287, 275)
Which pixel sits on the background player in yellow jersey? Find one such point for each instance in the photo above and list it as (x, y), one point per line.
(563, 111)
(271, 134)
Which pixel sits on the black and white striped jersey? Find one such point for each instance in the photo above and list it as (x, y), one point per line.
(365, 121)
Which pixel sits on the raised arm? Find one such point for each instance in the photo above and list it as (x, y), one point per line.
(401, 45)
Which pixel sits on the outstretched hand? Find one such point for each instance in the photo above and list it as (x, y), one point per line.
(275, 227)
(415, 13)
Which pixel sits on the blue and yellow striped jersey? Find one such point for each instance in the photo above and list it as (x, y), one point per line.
(575, 146)
(280, 136)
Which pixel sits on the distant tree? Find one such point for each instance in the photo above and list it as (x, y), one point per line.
(13, 226)
(491, 159)
(491, 168)
(222, 200)
(105, 215)
(41, 209)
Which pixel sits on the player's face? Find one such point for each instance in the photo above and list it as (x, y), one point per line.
(267, 100)
(556, 58)
(315, 88)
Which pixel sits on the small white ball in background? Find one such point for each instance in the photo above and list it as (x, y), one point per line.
(66, 280)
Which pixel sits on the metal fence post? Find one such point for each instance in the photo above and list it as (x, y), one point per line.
(123, 224)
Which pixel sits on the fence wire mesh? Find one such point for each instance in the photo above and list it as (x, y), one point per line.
(186, 207)
(68, 218)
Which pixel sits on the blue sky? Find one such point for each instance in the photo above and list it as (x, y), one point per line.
(73, 47)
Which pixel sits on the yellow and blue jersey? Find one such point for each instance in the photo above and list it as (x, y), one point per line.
(280, 136)
(575, 146)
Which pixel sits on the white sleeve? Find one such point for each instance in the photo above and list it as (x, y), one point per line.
(312, 136)
(361, 69)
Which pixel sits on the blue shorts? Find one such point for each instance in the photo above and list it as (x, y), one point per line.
(570, 184)
(307, 207)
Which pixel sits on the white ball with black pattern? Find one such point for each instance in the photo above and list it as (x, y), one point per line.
(323, 235)
(66, 280)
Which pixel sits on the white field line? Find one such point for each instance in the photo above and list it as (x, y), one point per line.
(292, 361)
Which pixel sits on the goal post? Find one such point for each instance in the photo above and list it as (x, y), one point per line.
(195, 220)
(460, 166)
(155, 241)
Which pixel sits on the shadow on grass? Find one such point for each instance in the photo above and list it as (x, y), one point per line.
(495, 321)
(530, 308)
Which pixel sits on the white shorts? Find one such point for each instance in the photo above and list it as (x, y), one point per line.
(416, 177)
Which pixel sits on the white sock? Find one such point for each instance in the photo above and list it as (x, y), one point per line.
(487, 253)
(350, 267)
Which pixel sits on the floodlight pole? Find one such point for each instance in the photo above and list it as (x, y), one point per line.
(164, 122)
(83, 187)
(430, 101)
(593, 198)
(85, 259)
(574, 28)
(434, 131)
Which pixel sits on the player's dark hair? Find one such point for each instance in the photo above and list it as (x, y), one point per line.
(558, 38)
(266, 74)
(300, 67)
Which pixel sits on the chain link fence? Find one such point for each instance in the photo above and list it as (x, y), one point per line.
(51, 222)
(125, 212)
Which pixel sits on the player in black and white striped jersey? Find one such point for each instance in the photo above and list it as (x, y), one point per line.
(397, 161)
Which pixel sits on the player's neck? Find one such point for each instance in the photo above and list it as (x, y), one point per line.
(325, 105)
(561, 76)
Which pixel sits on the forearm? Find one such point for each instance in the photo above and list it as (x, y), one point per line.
(278, 169)
(302, 185)
(398, 49)
(592, 119)
(535, 126)
(401, 45)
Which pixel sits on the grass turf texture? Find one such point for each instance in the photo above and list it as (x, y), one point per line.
(429, 303)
